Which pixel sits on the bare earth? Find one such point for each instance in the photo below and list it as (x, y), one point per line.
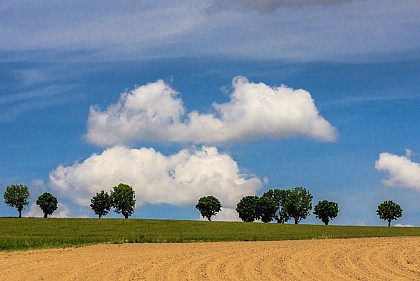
(347, 259)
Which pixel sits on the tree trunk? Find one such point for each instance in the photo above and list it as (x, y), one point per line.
(126, 216)
(389, 223)
(45, 215)
(326, 223)
(296, 221)
(100, 216)
(20, 213)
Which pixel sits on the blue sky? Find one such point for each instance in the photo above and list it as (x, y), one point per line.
(183, 99)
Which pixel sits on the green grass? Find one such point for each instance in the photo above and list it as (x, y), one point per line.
(32, 233)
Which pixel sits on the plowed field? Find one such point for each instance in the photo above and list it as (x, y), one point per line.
(337, 259)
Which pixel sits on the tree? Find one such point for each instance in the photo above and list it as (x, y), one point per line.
(247, 208)
(17, 195)
(299, 204)
(389, 211)
(280, 198)
(48, 203)
(123, 199)
(101, 203)
(266, 209)
(208, 206)
(252, 208)
(326, 210)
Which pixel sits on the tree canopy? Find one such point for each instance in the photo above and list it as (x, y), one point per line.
(280, 199)
(266, 209)
(208, 206)
(252, 208)
(389, 211)
(48, 203)
(123, 199)
(326, 210)
(299, 204)
(247, 208)
(101, 203)
(17, 195)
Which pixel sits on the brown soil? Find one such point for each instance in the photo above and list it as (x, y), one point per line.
(348, 259)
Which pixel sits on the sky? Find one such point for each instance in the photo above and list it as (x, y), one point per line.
(183, 99)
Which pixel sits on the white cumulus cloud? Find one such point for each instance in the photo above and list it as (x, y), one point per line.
(177, 179)
(154, 112)
(62, 211)
(402, 171)
(226, 214)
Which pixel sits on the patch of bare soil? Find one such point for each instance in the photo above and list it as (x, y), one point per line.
(341, 259)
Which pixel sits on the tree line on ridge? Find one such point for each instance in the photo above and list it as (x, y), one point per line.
(274, 205)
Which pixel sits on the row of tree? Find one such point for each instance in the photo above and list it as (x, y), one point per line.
(275, 204)
(283, 205)
(17, 196)
(122, 198)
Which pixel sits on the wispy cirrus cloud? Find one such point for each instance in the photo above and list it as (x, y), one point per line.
(307, 29)
(267, 5)
(42, 92)
(36, 99)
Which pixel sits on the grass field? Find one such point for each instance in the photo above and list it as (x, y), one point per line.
(32, 233)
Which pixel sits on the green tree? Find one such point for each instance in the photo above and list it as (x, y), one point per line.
(389, 211)
(326, 211)
(101, 203)
(247, 208)
(208, 206)
(299, 204)
(17, 195)
(48, 203)
(123, 199)
(266, 209)
(280, 199)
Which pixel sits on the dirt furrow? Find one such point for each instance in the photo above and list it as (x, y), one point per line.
(342, 259)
